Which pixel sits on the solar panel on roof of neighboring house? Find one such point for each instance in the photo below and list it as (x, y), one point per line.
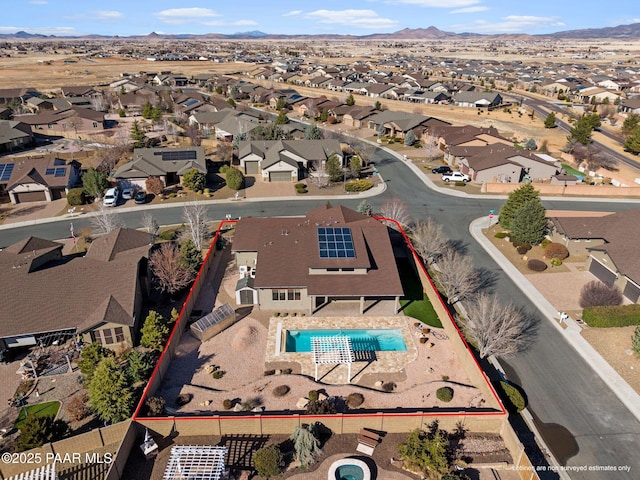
(50, 171)
(189, 103)
(60, 172)
(6, 169)
(172, 156)
(336, 242)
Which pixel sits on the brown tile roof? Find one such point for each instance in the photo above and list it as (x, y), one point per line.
(288, 247)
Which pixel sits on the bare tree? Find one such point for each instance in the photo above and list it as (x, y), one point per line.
(318, 174)
(195, 219)
(430, 145)
(194, 134)
(150, 225)
(429, 240)
(395, 209)
(106, 220)
(166, 265)
(597, 293)
(497, 329)
(594, 157)
(457, 275)
(98, 102)
(364, 150)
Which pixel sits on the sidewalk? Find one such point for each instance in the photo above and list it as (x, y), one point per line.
(628, 396)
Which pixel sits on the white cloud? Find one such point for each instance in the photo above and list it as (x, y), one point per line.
(184, 15)
(438, 3)
(511, 24)
(292, 13)
(107, 15)
(470, 10)
(237, 23)
(352, 18)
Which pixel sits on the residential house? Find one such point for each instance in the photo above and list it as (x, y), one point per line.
(285, 160)
(333, 255)
(356, 116)
(14, 135)
(73, 119)
(610, 241)
(17, 96)
(207, 121)
(478, 99)
(397, 124)
(466, 136)
(39, 179)
(169, 164)
(106, 309)
(79, 91)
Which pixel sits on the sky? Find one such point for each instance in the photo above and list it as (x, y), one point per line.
(357, 17)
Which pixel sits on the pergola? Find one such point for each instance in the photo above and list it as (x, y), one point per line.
(335, 350)
(197, 462)
(46, 472)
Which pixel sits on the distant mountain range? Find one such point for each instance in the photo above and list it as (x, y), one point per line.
(631, 31)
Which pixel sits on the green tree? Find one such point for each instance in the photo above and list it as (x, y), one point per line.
(94, 183)
(324, 115)
(632, 143)
(516, 199)
(364, 207)
(355, 165)
(137, 135)
(378, 105)
(550, 121)
(154, 331)
(530, 144)
(194, 180)
(282, 118)
(306, 444)
(529, 223)
(231, 102)
(235, 179)
(312, 132)
(219, 90)
(580, 132)
(190, 256)
(630, 124)
(334, 169)
(147, 110)
(90, 357)
(410, 138)
(139, 366)
(35, 431)
(110, 393)
(281, 103)
(350, 100)
(156, 114)
(268, 461)
(427, 451)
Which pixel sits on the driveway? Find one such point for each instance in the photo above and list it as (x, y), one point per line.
(562, 289)
(35, 211)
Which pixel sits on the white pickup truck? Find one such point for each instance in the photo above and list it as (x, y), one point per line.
(455, 177)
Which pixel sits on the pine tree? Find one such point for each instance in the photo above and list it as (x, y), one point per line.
(154, 331)
(35, 431)
(110, 393)
(410, 138)
(529, 223)
(190, 256)
(306, 445)
(516, 199)
(313, 132)
(282, 118)
(94, 183)
(630, 124)
(334, 169)
(137, 135)
(550, 121)
(147, 109)
(632, 143)
(90, 357)
(350, 100)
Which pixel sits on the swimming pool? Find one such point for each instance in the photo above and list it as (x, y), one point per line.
(377, 340)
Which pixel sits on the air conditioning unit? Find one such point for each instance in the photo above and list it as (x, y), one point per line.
(252, 273)
(243, 271)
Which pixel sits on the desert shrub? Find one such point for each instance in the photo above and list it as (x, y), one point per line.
(154, 185)
(388, 387)
(225, 168)
(516, 243)
(183, 399)
(460, 183)
(235, 179)
(155, 406)
(312, 395)
(321, 407)
(354, 400)
(218, 374)
(358, 185)
(227, 404)
(268, 461)
(501, 234)
(76, 197)
(521, 250)
(599, 294)
(194, 180)
(300, 188)
(555, 262)
(545, 243)
(251, 403)
(536, 265)
(281, 390)
(168, 235)
(78, 407)
(444, 394)
(612, 316)
(513, 396)
(556, 250)
(635, 341)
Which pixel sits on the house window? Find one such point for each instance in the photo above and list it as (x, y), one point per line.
(119, 334)
(107, 336)
(95, 124)
(293, 294)
(283, 295)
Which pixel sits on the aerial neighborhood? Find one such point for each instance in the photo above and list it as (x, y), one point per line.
(338, 259)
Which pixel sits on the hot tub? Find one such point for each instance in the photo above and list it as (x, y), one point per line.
(349, 469)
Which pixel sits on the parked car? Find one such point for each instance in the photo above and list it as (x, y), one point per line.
(111, 197)
(127, 193)
(442, 169)
(140, 197)
(456, 177)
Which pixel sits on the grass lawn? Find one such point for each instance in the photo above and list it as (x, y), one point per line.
(572, 171)
(415, 303)
(41, 410)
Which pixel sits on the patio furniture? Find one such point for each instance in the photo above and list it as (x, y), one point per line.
(367, 441)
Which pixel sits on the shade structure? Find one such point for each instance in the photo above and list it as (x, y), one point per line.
(214, 322)
(335, 350)
(46, 472)
(195, 462)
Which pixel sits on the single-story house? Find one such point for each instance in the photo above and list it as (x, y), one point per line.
(73, 119)
(106, 309)
(39, 179)
(333, 255)
(477, 99)
(397, 124)
(169, 164)
(14, 135)
(610, 241)
(285, 160)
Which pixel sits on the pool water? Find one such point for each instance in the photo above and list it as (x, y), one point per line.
(380, 340)
(349, 472)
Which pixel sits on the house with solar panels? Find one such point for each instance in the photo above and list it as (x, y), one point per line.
(38, 179)
(332, 255)
(169, 164)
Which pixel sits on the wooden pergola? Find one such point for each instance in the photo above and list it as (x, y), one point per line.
(198, 462)
(335, 350)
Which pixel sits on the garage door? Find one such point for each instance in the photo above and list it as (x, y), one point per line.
(601, 272)
(279, 176)
(30, 197)
(251, 168)
(632, 291)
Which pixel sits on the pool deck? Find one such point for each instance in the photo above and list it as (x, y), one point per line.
(366, 362)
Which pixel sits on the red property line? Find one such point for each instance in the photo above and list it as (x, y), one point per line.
(358, 415)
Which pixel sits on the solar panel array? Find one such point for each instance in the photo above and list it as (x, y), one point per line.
(208, 321)
(336, 242)
(190, 102)
(56, 171)
(5, 171)
(175, 155)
